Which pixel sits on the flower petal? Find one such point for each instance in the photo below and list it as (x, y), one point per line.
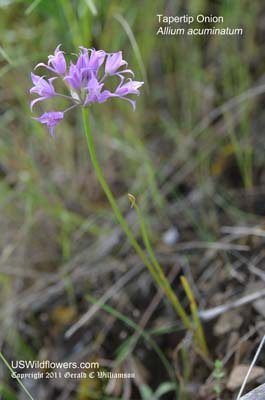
(33, 102)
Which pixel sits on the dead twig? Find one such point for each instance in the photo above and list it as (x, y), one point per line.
(207, 315)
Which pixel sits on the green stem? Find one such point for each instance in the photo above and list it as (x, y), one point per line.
(163, 280)
(107, 190)
(13, 374)
(199, 334)
(123, 222)
(195, 315)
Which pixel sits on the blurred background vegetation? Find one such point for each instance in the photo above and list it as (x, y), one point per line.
(193, 156)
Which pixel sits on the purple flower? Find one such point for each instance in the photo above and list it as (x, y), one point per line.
(57, 61)
(96, 59)
(129, 87)
(95, 94)
(86, 80)
(51, 119)
(85, 68)
(75, 77)
(113, 63)
(83, 59)
(42, 88)
(88, 66)
(94, 91)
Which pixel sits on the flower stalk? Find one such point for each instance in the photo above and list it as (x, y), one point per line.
(153, 266)
(161, 278)
(163, 282)
(106, 189)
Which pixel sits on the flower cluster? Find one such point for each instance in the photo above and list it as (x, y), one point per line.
(85, 79)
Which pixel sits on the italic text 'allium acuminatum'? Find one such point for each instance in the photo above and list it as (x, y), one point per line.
(86, 80)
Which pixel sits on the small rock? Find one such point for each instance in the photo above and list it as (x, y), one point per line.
(259, 306)
(239, 373)
(228, 321)
(171, 236)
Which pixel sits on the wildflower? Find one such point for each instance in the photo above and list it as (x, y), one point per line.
(96, 59)
(42, 88)
(129, 87)
(86, 80)
(57, 61)
(113, 63)
(94, 92)
(75, 77)
(51, 119)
